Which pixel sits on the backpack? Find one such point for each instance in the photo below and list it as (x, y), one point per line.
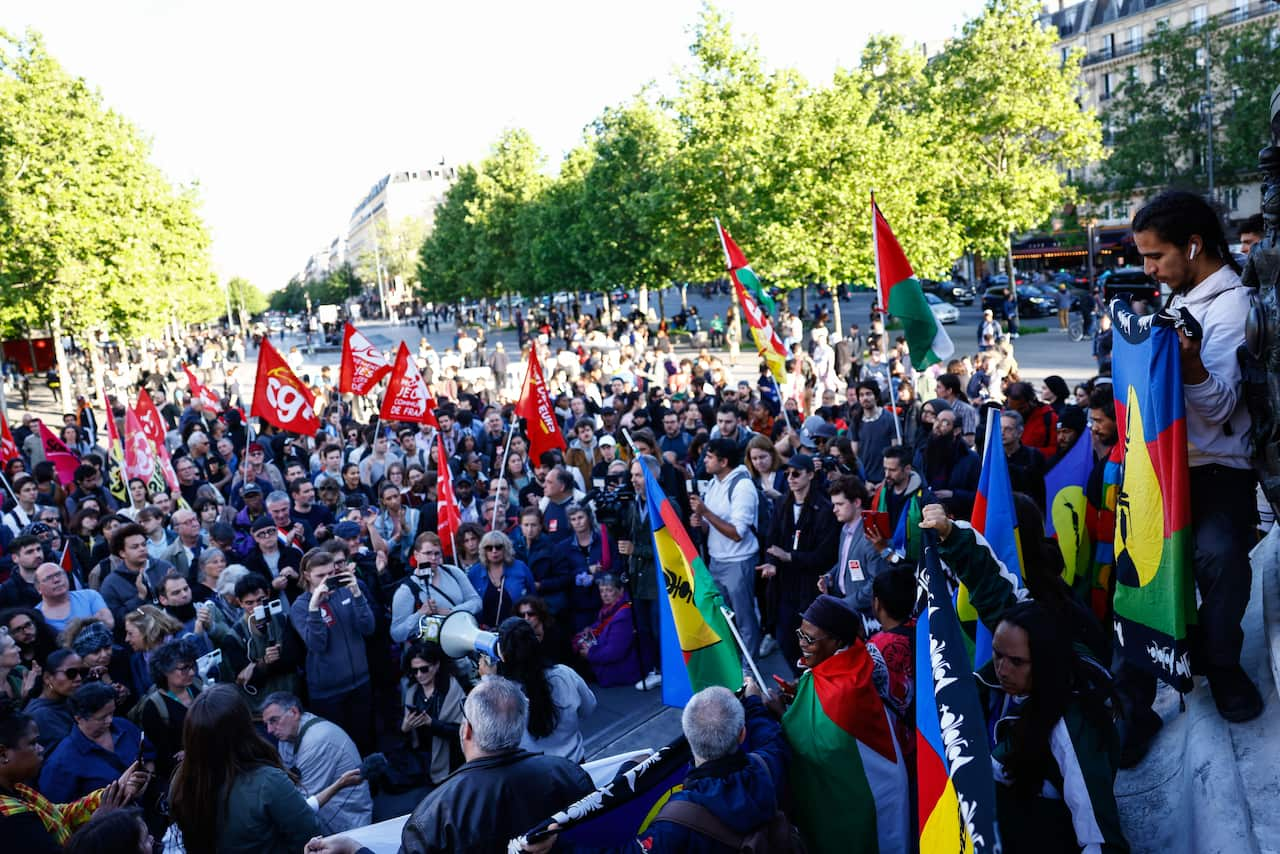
(777, 835)
(764, 512)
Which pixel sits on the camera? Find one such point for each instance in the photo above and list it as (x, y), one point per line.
(611, 502)
(333, 582)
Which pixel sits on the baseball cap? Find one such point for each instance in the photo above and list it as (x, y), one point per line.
(800, 462)
(608, 440)
(256, 447)
(346, 530)
(251, 488)
(261, 523)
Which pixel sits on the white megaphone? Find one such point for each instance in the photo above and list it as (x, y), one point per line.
(461, 635)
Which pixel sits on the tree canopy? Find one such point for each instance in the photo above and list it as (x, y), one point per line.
(961, 151)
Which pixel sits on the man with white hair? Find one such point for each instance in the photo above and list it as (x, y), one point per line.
(501, 791)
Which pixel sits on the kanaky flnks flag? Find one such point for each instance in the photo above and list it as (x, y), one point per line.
(957, 798)
(448, 516)
(616, 813)
(1067, 519)
(280, 398)
(843, 742)
(696, 642)
(1155, 595)
(202, 392)
(64, 462)
(362, 363)
(8, 447)
(114, 476)
(996, 520)
(757, 307)
(535, 407)
(900, 294)
(407, 397)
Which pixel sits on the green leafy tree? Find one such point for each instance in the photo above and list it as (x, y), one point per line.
(1157, 116)
(1008, 114)
(246, 298)
(447, 260)
(93, 240)
(511, 177)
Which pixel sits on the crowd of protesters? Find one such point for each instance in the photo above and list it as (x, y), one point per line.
(222, 656)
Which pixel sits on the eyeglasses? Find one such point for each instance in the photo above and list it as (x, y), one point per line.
(27, 626)
(74, 673)
(185, 667)
(807, 640)
(418, 670)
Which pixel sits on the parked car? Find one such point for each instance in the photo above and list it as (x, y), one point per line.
(944, 311)
(952, 291)
(1032, 302)
(1130, 280)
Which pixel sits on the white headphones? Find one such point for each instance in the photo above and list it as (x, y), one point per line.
(1191, 256)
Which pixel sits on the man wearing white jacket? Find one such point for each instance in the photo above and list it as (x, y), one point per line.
(1182, 244)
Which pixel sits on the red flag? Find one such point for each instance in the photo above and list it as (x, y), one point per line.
(153, 426)
(280, 398)
(64, 462)
(201, 392)
(448, 517)
(8, 447)
(408, 398)
(362, 363)
(535, 407)
(139, 452)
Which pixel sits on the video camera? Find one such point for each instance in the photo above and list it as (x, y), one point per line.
(611, 500)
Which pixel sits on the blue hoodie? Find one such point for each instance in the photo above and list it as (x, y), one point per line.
(336, 660)
(741, 793)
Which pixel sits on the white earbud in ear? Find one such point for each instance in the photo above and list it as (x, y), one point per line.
(1191, 256)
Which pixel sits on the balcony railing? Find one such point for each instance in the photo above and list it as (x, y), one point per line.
(1257, 9)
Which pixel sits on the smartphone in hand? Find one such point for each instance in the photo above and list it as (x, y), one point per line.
(876, 523)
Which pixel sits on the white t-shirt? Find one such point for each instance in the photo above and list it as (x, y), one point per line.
(740, 512)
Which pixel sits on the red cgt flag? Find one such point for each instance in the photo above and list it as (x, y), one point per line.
(280, 398)
(153, 426)
(408, 398)
(8, 447)
(448, 517)
(64, 462)
(362, 363)
(535, 407)
(202, 392)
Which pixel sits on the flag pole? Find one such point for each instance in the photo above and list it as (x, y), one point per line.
(733, 628)
(502, 476)
(8, 487)
(893, 394)
(875, 259)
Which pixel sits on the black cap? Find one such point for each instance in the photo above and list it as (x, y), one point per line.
(1073, 418)
(251, 488)
(800, 462)
(261, 523)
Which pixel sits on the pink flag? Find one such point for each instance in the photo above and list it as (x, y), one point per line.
(64, 462)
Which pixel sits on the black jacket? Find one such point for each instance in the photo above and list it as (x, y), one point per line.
(812, 542)
(488, 801)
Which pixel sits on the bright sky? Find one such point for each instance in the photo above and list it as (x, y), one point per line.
(287, 112)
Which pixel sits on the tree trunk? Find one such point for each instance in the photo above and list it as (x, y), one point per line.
(835, 315)
(642, 299)
(95, 368)
(662, 304)
(60, 356)
(684, 296)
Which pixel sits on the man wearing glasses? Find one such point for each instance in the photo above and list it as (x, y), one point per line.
(801, 545)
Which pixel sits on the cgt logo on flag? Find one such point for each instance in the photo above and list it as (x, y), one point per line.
(363, 364)
(283, 394)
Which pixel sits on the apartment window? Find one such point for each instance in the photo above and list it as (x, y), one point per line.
(1107, 83)
(1199, 57)
(1199, 15)
(1065, 52)
(1134, 39)
(1231, 198)
(1162, 23)
(1241, 10)
(1109, 44)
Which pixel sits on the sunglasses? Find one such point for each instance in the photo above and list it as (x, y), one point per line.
(526, 614)
(493, 548)
(418, 670)
(74, 673)
(795, 473)
(807, 640)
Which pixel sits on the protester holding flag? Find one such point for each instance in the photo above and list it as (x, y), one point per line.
(843, 741)
(1047, 702)
(1180, 237)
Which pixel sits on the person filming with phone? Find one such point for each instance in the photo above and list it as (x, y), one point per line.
(264, 650)
(334, 618)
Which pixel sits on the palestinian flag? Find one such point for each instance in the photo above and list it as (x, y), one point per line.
(696, 642)
(742, 274)
(757, 307)
(957, 799)
(1067, 519)
(900, 295)
(1155, 593)
(843, 746)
